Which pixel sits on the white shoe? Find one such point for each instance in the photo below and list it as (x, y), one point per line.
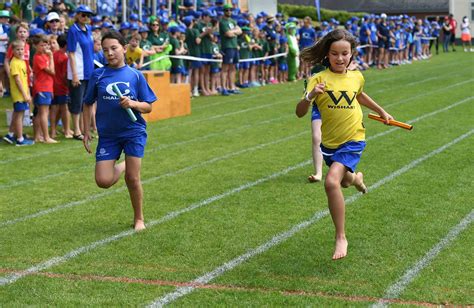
(196, 93)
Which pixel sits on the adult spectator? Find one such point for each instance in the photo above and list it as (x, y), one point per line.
(53, 24)
(80, 48)
(228, 32)
(4, 29)
(383, 35)
(454, 24)
(307, 37)
(160, 42)
(446, 34)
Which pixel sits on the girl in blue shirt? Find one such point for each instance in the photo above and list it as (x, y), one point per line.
(117, 132)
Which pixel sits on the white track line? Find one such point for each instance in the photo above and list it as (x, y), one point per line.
(400, 285)
(281, 237)
(148, 150)
(150, 180)
(74, 253)
(109, 192)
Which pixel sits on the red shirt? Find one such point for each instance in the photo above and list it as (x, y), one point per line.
(43, 82)
(60, 70)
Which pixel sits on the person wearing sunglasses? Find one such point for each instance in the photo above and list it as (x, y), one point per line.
(53, 24)
(80, 47)
(229, 31)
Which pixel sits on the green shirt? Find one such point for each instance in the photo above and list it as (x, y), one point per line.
(227, 24)
(206, 42)
(282, 59)
(193, 48)
(260, 53)
(175, 44)
(215, 51)
(159, 39)
(145, 45)
(244, 50)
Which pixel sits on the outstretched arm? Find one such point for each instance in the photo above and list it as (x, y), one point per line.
(368, 102)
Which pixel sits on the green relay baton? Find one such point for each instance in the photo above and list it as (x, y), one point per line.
(129, 111)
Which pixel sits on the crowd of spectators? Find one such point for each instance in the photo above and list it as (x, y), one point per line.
(217, 48)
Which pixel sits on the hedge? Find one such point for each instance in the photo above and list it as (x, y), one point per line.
(301, 11)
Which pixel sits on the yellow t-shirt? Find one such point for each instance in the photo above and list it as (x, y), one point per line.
(18, 67)
(341, 114)
(133, 56)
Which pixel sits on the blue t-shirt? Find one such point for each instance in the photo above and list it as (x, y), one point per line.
(373, 32)
(38, 22)
(112, 120)
(307, 36)
(82, 44)
(363, 32)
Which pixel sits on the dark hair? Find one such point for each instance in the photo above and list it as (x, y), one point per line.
(317, 53)
(62, 40)
(114, 35)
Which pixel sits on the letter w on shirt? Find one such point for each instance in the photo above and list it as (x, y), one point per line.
(342, 95)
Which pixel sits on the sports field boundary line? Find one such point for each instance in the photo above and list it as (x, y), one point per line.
(230, 288)
(72, 254)
(147, 151)
(108, 192)
(283, 236)
(397, 288)
(149, 180)
(72, 147)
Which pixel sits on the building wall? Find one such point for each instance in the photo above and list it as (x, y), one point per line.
(461, 8)
(256, 6)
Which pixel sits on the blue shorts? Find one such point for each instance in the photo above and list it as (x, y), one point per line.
(110, 148)
(195, 64)
(283, 67)
(347, 154)
(43, 98)
(215, 70)
(206, 56)
(2, 58)
(244, 65)
(231, 56)
(177, 69)
(384, 44)
(60, 100)
(20, 106)
(315, 114)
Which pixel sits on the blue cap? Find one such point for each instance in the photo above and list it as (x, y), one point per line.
(134, 26)
(107, 24)
(124, 25)
(164, 21)
(95, 27)
(271, 36)
(278, 15)
(84, 9)
(219, 2)
(143, 29)
(292, 19)
(188, 3)
(41, 9)
(283, 40)
(197, 14)
(133, 17)
(96, 19)
(241, 22)
(325, 23)
(174, 29)
(182, 29)
(206, 13)
(7, 5)
(188, 20)
(37, 31)
(348, 23)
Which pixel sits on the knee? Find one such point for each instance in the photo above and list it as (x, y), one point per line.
(103, 182)
(331, 183)
(132, 180)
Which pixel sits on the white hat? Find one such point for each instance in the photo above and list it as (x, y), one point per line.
(383, 15)
(52, 16)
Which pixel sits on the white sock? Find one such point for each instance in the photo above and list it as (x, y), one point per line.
(20, 139)
(10, 134)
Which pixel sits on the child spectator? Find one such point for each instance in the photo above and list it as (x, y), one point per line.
(215, 66)
(282, 61)
(60, 88)
(43, 70)
(134, 55)
(243, 42)
(177, 65)
(99, 57)
(20, 93)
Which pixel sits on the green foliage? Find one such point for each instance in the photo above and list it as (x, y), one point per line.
(301, 11)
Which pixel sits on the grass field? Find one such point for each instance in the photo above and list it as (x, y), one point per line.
(231, 219)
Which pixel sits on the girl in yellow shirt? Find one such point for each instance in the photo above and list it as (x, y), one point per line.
(338, 94)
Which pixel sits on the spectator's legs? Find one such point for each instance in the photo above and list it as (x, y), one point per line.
(53, 112)
(17, 124)
(231, 77)
(224, 76)
(43, 112)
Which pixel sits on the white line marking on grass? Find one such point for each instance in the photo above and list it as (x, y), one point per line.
(150, 180)
(429, 93)
(283, 236)
(74, 253)
(398, 287)
(408, 84)
(148, 150)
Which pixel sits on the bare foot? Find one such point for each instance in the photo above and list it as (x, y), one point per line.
(139, 225)
(341, 249)
(314, 178)
(39, 140)
(50, 141)
(359, 183)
